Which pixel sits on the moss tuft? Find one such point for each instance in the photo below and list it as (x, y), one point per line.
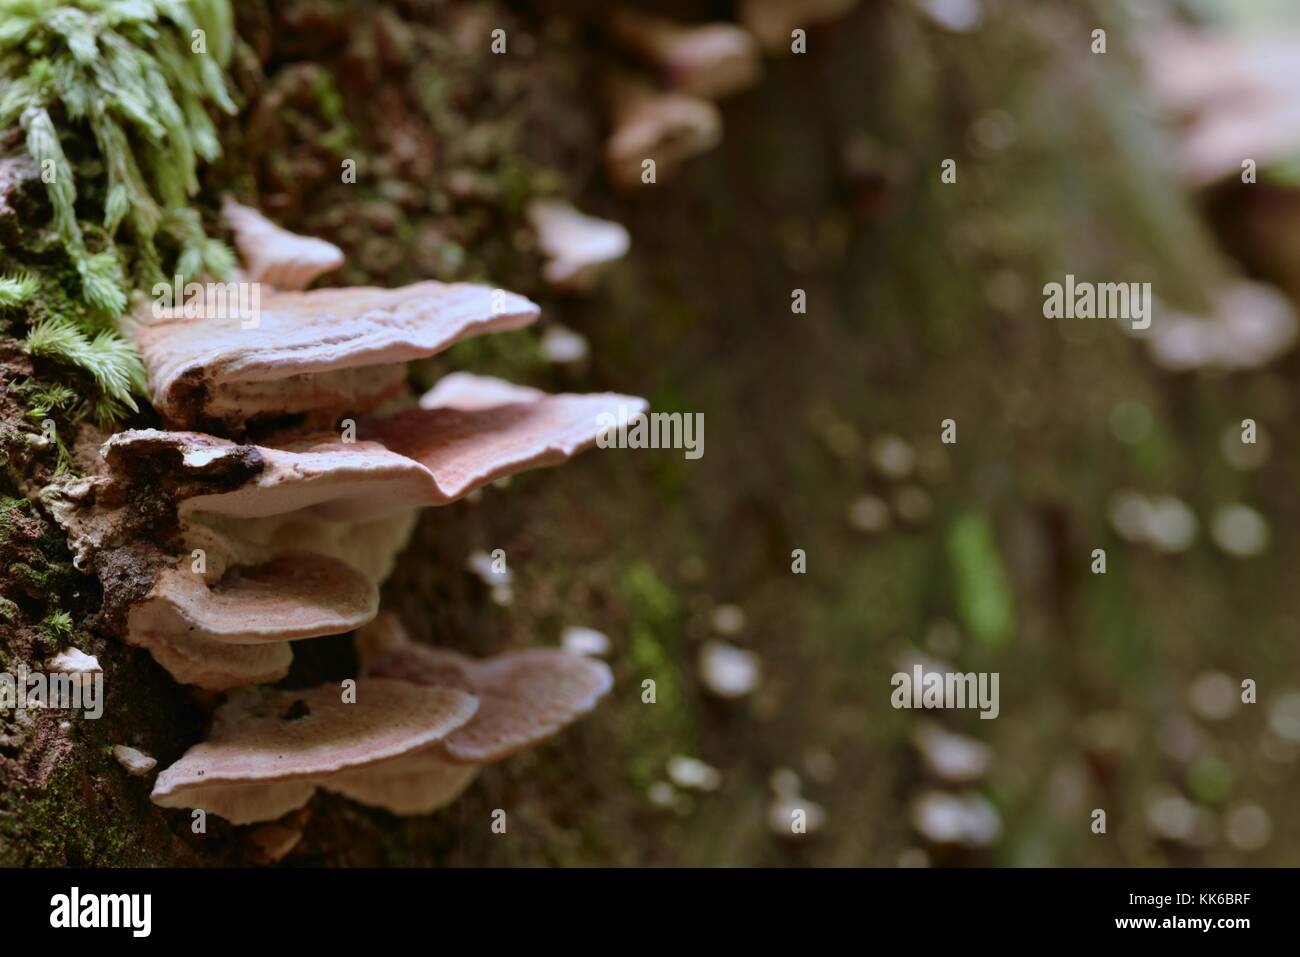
(133, 79)
(17, 290)
(112, 98)
(109, 359)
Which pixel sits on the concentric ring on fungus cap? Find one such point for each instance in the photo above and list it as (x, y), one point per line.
(269, 749)
(524, 697)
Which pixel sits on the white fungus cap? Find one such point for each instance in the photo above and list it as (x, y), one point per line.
(967, 819)
(579, 248)
(692, 773)
(728, 671)
(136, 762)
(73, 661)
(952, 757)
(1239, 530)
(563, 346)
(585, 641)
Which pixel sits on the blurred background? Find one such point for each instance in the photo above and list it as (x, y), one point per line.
(1119, 691)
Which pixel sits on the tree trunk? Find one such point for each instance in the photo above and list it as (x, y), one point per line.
(922, 306)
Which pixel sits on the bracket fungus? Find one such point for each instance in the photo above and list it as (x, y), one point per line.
(235, 631)
(1234, 95)
(295, 533)
(269, 749)
(73, 661)
(234, 548)
(326, 351)
(578, 247)
(274, 255)
(424, 721)
(135, 761)
(667, 128)
(298, 548)
(1249, 326)
(524, 697)
(467, 391)
(710, 60)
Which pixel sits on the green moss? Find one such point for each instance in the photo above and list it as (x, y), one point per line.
(330, 107)
(109, 359)
(134, 80)
(515, 178)
(17, 290)
(57, 628)
(112, 99)
(654, 731)
(649, 600)
(1210, 779)
(984, 598)
(47, 580)
(510, 355)
(61, 827)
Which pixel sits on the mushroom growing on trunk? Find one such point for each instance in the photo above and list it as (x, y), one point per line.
(269, 749)
(524, 697)
(710, 60)
(667, 128)
(423, 723)
(254, 545)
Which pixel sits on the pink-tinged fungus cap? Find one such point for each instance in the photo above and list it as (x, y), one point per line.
(274, 255)
(711, 60)
(212, 665)
(467, 392)
(1250, 325)
(291, 597)
(369, 544)
(467, 432)
(1236, 96)
(463, 450)
(524, 698)
(313, 351)
(578, 247)
(237, 631)
(331, 478)
(315, 473)
(347, 507)
(135, 761)
(418, 783)
(269, 749)
(665, 127)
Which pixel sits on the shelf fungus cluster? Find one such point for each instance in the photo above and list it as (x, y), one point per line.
(663, 119)
(272, 509)
(423, 723)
